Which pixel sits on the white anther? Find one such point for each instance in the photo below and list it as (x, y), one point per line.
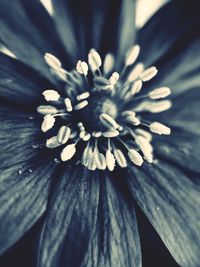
(97, 134)
(128, 113)
(159, 128)
(137, 86)
(82, 67)
(46, 109)
(146, 148)
(135, 157)
(159, 93)
(79, 124)
(120, 158)
(48, 123)
(135, 73)
(110, 160)
(52, 61)
(145, 134)
(132, 120)
(101, 83)
(148, 74)
(86, 154)
(108, 63)
(60, 73)
(114, 78)
(94, 60)
(91, 165)
(82, 134)
(160, 106)
(63, 134)
(111, 133)
(51, 95)
(81, 105)
(68, 152)
(100, 161)
(132, 55)
(86, 137)
(68, 104)
(52, 142)
(108, 121)
(83, 96)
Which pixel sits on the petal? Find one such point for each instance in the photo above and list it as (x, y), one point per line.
(20, 83)
(23, 196)
(104, 25)
(184, 112)
(88, 224)
(174, 48)
(162, 32)
(28, 31)
(181, 148)
(171, 202)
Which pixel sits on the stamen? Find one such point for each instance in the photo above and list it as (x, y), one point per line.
(135, 157)
(114, 78)
(159, 93)
(120, 158)
(68, 152)
(108, 121)
(108, 63)
(94, 60)
(83, 96)
(136, 72)
(111, 133)
(137, 86)
(145, 134)
(101, 83)
(52, 61)
(48, 123)
(159, 128)
(81, 105)
(63, 134)
(148, 74)
(68, 104)
(46, 109)
(51, 95)
(82, 67)
(52, 142)
(110, 160)
(132, 55)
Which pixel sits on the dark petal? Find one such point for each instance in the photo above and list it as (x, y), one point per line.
(184, 112)
(29, 32)
(19, 83)
(181, 148)
(23, 198)
(104, 25)
(171, 202)
(88, 224)
(164, 33)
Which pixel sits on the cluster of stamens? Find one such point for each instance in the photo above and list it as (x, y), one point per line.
(98, 113)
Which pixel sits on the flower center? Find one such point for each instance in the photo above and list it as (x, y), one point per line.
(104, 117)
(99, 103)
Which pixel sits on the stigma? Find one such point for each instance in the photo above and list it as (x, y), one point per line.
(97, 116)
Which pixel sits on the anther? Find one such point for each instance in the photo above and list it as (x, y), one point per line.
(132, 55)
(83, 96)
(108, 121)
(108, 63)
(48, 123)
(68, 104)
(159, 128)
(159, 93)
(136, 72)
(46, 109)
(81, 105)
(94, 60)
(82, 67)
(51, 95)
(120, 158)
(52, 61)
(63, 134)
(111, 133)
(135, 157)
(68, 152)
(52, 142)
(148, 74)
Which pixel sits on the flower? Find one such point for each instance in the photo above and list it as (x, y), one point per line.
(77, 144)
